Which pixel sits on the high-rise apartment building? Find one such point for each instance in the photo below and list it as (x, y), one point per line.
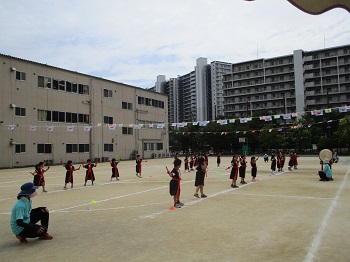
(52, 114)
(217, 70)
(302, 81)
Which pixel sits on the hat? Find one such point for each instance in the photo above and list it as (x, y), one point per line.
(27, 189)
(325, 159)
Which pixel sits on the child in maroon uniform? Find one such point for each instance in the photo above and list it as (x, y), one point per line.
(218, 159)
(89, 172)
(39, 179)
(138, 166)
(174, 185)
(69, 174)
(115, 171)
(234, 171)
(242, 169)
(191, 163)
(206, 160)
(200, 176)
(186, 164)
(254, 167)
(273, 164)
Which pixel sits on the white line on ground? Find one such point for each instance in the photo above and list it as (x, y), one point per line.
(316, 242)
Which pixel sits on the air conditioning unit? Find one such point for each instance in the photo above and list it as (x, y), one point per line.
(12, 105)
(13, 68)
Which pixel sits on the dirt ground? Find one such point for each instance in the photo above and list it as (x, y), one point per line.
(290, 216)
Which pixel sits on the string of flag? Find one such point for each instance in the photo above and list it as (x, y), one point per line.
(279, 129)
(267, 118)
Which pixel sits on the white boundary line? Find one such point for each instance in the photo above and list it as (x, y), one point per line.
(316, 242)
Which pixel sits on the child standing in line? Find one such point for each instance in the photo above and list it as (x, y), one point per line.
(89, 172)
(200, 176)
(191, 163)
(115, 171)
(138, 166)
(218, 159)
(234, 171)
(187, 168)
(273, 164)
(39, 179)
(291, 162)
(69, 173)
(206, 159)
(266, 158)
(174, 185)
(242, 169)
(254, 167)
(282, 160)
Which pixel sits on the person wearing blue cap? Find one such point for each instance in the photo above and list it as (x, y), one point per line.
(24, 218)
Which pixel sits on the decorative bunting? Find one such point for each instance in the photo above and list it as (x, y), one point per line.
(150, 125)
(195, 123)
(112, 127)
(32, 128)
(243, 120)
(223, 122)
(286, 116)
(232, 121)
(342, 109)
(11, 127)
(328, 110)
(87, 128)
(70, 128)
(276, 116)
(137, 127)
(120, 125)
(294, 114)
(49, 128)
(203, 123)
(268, 118)
(160, 126)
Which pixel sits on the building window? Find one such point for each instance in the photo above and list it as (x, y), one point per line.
(108, 147)
(159, 146)
(127, 131)
(83, 89)
(20, 76)
(62, 85)
(44, 148)
(55, 84)
(108, 120)
(68, 86)
(107, 93)
(44, 115)
(20, 111)
(75, 148)
(20, 148)
(126, 105)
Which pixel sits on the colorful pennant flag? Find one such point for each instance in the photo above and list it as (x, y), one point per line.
(223, 122)
(11, 127)
(49, 128)
(112, 127)
(243, 120)
(70, 128)
(87, 128)
(268, 118)
(32, 128)
(286, 116)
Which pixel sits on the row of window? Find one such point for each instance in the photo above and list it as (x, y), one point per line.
(152, 146)
(63, 117)
(81, 148)
(62, 85)
(150, 102)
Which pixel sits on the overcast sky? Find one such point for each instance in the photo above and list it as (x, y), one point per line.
(133, 41)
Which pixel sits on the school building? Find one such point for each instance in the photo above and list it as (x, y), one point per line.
(52, 114)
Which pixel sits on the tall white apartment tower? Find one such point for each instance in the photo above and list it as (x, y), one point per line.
(218, 69)
(201, 88)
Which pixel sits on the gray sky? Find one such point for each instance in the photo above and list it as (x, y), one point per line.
(133, 41)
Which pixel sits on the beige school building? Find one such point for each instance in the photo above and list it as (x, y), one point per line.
(51, 114)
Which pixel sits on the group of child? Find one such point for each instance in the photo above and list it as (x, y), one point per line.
(201, 164)
(279, 160)
(239, 166)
